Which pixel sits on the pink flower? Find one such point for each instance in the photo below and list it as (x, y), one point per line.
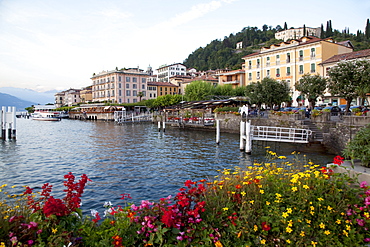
(363, 184)
(361, 222)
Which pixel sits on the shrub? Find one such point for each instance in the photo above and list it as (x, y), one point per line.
(359, 146)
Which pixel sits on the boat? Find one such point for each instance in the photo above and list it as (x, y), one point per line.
(46, 116)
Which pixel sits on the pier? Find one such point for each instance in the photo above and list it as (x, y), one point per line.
(8, 122)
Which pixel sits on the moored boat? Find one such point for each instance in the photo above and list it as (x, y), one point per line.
(46, 116)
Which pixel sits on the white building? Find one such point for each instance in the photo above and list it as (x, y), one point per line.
(297, 33)
(167, 71)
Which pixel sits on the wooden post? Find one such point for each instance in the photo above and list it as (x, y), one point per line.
(1, 122)
(248, 141)
(218, 131)
(159, 126)
(164, 126)
(242, 135)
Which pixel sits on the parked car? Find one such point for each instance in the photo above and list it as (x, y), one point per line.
(333, 108)
(319, 108)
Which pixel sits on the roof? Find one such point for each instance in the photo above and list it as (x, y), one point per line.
(348, 56)
(205, 104)
(161, 84)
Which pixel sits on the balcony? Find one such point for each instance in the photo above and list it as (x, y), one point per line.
(288, 60)
(300, 58)
(287, 74)
(258, 65)
(231, 82)
(250, 67)
(250, 78)
(277, 75)
(300, 72)
(267, 64)
(313, 71)
(277, 62)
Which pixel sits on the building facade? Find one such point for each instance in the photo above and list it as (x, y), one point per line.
(290, 60)
(331, 62)
(235, 78)
(297, 33)
(166, 71)
(120, 86)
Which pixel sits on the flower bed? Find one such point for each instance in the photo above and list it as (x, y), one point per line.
(278, 203)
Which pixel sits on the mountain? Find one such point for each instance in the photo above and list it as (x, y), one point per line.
(9, 100)
(30, 95)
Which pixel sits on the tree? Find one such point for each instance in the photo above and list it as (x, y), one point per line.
(312, 87)
(254, 92)
(349, 79)
(140, 95)
(304, 30)
(285, 26)
(367, 29)
(322, 32)
(198, 90)
(359, 147)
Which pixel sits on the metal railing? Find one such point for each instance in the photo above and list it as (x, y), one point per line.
(280, 134)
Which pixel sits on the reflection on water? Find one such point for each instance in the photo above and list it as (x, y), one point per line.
(130, 158)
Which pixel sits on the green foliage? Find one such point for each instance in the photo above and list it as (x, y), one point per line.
(227, 109)
(65, 108)
(30, 109)
(311, 86)
(269, 91)
(163, 101)
(359, 147)
(349, 79)
(198, 90)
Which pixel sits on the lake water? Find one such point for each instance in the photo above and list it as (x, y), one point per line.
(130, 158)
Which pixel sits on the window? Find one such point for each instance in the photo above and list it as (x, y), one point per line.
(128, 79)
(119, 93)
(288, 57)
(268, 61)
(134, 79)
(258, 75)
(258, 63)
(144, 93)
(249, 64)
(119, 85)
(142, 86)
(143, 80)
(127, 85)
(300, 69)
(250, 76)
(134, 93)
(128, 93)
(300, 55)
(128, 100)
(119, 78)
(313, 68)
(313, 53)
(268, 73)
(277, 59)
(134, 86)
(113, 79)
(135, 100)
(288, 71)
(112, 93)
(277, 72)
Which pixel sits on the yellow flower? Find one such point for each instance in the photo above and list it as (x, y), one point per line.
(288, 230)
(262, 191)
(322, 225)
(268, 203)
(312, 208)
(251, 202)
(225, 209)
(221, 187)
(313, 243)
(54, 230)
(289, 210)
(281, 157)
(255, 228)
(345, 233)
(327, 232)
(294, 189)
(2, 244)
(218, 244)
(330, 208)
(5, 217)
(306, 187)
(366, 214)
(288, 241)
(308, 221)
(338, 221)
(267, 147)
(348, 227)
(320, 199)
(278, 195)
(285, 214)
(243, 193)
(302, 234)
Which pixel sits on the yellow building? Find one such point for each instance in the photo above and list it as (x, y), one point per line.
(290, 60)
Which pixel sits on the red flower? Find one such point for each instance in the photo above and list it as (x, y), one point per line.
(28, 191)
(117, 241)
(338, 160)
(54, 206)
(238, 186)
(189, 183)
(265, 226)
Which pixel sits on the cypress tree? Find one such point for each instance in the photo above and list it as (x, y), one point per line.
(286, 26)
(367, 29)
(304, 30)
(322, 33)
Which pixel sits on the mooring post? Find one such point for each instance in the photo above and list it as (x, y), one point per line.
(242, 134)
(1, 122)
(159, 126)
(164, 126)
(218, 131)
(248, 141)
(14, 127)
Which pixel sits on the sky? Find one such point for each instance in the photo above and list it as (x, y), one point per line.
(58, 44)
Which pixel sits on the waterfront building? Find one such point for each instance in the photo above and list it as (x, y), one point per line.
(290, 60)
(235, 78)
(68, 97)
(297, 33)
(162, 88)
(166, 71)
(86, 94)
(332, 61)
(120, 86)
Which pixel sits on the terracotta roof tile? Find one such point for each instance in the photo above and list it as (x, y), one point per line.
(348, 56)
